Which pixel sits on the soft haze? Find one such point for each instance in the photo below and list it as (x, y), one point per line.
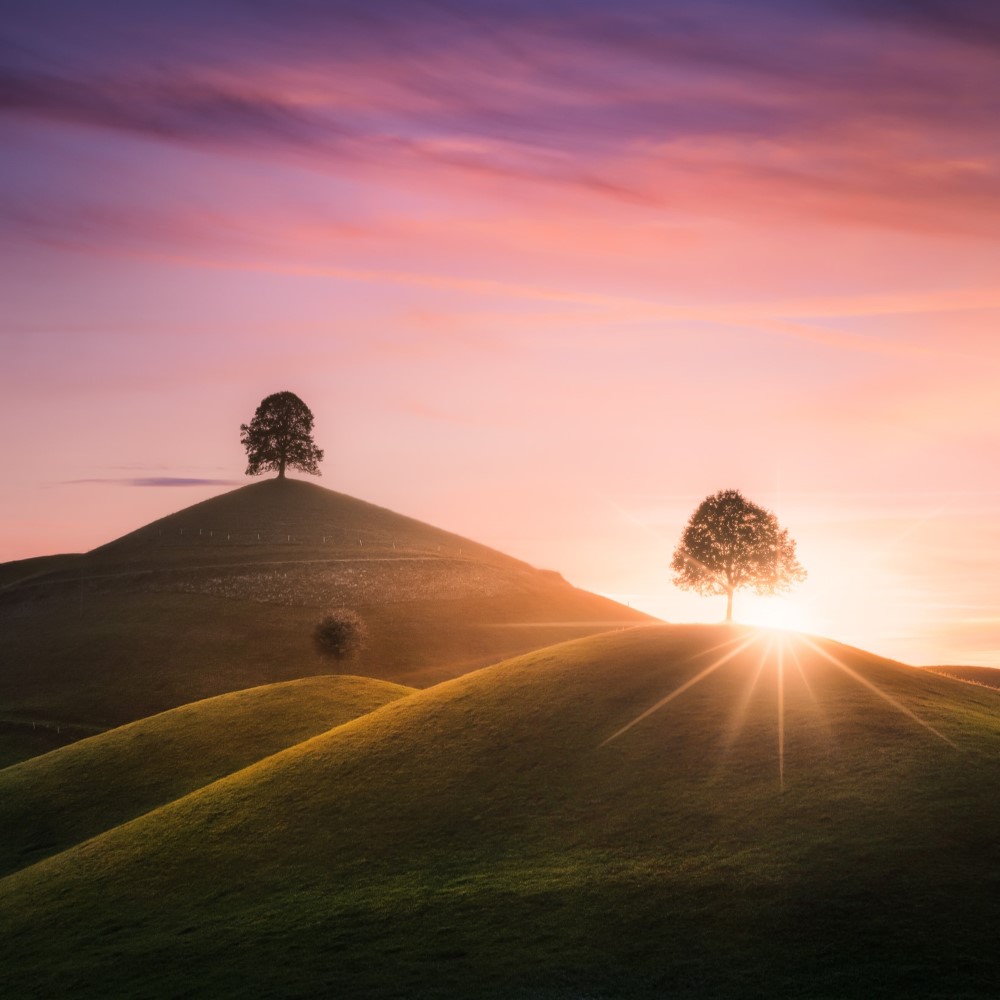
(546, 273)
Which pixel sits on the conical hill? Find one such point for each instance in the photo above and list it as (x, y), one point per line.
(223, 596)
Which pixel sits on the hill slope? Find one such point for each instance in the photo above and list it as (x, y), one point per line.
(64, 797)
(800, 819)
(253, 521)
(194, 605)
(987, 676)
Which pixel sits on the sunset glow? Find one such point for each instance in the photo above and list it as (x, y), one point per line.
(778, 612)
(546, 274)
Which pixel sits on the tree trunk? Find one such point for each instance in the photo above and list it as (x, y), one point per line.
(729, 605)
(281, 469)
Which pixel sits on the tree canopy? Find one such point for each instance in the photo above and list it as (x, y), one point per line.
(729, 544)
(280, 436)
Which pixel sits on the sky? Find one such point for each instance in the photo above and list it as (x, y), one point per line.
(547, 273)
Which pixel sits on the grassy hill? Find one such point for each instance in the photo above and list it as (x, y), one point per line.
(69, 795)
(222, 596)
(794, 819)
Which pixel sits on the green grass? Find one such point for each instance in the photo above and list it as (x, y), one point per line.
(62, 798)
(166, 615)
(476, 839)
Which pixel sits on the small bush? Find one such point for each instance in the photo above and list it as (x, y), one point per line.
(339, 634)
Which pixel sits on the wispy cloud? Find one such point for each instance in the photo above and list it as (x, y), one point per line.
(771, 110)
(970, 21)
(155, 481)
(190, 111)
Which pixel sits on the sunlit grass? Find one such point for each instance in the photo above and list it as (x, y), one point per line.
(780, 667)
(854, 675)
(778, 647)
(743, 705)
(477, 840)
(711, 668)
(59, 799)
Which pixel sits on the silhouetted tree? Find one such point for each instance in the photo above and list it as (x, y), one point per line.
(339, 634)
(730, 543)
(280, 437)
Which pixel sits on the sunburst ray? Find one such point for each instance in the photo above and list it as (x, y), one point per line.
(781, 713)
(876, 690)
(802, 674)
(717, 646)
(736, 722)
(824, 720)
(711, 668)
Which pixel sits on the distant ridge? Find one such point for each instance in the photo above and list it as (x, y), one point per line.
(222, 596)
(986, 676)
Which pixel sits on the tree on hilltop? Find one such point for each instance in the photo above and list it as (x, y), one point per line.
(729, 544)
(280, 437)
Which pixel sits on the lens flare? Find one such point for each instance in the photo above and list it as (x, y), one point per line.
(780, 649)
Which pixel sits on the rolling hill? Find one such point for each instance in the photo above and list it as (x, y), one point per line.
(680, 811)
(222, 596)
(64, 797)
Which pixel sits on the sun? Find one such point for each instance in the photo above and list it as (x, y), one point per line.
(775, 612)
